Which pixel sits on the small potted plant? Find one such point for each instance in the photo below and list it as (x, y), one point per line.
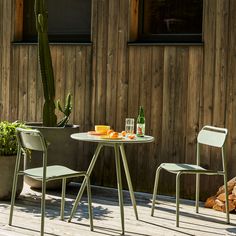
(8, 152)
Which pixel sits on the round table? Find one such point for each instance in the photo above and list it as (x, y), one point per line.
(118, 145)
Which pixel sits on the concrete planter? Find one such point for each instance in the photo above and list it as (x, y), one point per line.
(62, 150)
(7, 168)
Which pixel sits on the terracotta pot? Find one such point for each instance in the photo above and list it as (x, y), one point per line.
(62, 150)
(7, 168)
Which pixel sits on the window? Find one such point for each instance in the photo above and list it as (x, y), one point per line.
(68, 21)
(170, 20)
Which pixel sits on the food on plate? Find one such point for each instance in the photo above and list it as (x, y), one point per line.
(109, 131)
(114, 135)
(131, 136)
(123, 133)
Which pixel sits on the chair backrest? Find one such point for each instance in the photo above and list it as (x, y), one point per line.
(212, 136)
(31, 139)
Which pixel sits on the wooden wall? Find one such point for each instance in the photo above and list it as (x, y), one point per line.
(181, 87)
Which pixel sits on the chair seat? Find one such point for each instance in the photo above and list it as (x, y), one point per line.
(53, 172)
(173, 167)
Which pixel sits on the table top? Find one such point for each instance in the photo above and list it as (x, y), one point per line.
(99, 139)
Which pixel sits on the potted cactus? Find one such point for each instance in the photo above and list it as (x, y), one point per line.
(8, 151)
(62, 149)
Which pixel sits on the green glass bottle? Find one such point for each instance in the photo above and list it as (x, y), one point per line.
(140, 130)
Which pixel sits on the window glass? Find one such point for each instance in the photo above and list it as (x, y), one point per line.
(68, 20)
(170, 20)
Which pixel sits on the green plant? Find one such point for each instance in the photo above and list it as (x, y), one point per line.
(8, 142)
(46, 68)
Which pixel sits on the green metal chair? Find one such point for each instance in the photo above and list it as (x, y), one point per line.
(211, 136)
(33, 140)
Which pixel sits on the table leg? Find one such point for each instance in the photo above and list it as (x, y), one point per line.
(125, 164)
(83, 185)
(119, 185)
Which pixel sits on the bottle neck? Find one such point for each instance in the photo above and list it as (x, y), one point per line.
(141, 118)
(141, 112)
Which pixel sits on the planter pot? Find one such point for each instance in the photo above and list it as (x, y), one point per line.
(62, 150)
(7, 168)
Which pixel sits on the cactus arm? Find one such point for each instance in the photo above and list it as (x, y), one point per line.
(45, 61)
(66, 111)
(68, 105)
(59, 106)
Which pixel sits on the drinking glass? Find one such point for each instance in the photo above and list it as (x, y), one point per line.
(129, 125)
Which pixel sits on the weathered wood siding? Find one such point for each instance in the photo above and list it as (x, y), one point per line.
(181, 88)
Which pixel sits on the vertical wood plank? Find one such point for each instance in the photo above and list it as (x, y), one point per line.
(60, 76)
(14, 83)
(207, 94)
(112, 64)
(167, 148)
(18, 20)
(70, 75)
(145, 101)
(231, 87)
(209, 28)
(180, 107)
(79, 88)
(23, 85)
(180, 103)
(133, 21)
(94, 27)
(111, 89)
(157, 73)
(39, 96)
(32, 83)
(221, 54)
(99, 81)
(6, 57)
(193, 110)
(101, 47)
(88, 86)
(122, 62)
(133, 102)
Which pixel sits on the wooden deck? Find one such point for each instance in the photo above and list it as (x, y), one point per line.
(26, 220)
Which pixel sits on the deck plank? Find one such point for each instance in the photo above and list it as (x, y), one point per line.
(26, 219)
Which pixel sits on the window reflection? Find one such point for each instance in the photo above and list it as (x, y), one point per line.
(170, 17)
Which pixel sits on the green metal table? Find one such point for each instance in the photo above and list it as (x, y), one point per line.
(118, 145)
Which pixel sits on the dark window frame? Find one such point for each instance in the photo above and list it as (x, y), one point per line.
(164, 38)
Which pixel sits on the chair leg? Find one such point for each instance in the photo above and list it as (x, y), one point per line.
(119, 186)
(197, 192)
(226, 200)
(155, 189)
(14, 185)
(43, 207)
(128, 178)
(63, 193)
(90, 210)
(177, 197)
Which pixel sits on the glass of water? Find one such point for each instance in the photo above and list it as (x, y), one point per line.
(129, 125)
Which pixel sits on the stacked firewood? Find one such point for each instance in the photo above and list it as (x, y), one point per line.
(217, 202)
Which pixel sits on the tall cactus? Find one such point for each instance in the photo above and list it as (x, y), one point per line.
(45, 61)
